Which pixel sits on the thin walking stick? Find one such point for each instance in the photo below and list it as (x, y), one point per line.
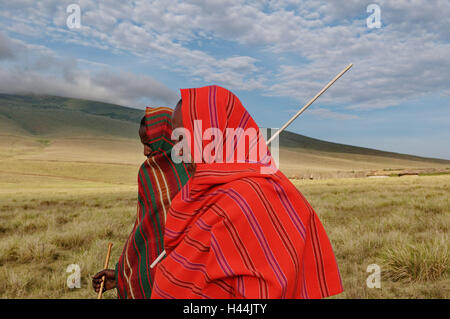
(309, 103)
(100, 292)
(161, 256)
(158, 259)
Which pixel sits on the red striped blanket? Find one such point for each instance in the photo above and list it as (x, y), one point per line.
(233, 232)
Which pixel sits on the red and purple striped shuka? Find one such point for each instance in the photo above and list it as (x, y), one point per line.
(159, 180)
(233, 232)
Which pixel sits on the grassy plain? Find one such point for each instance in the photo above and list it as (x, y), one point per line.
(49, 222)
(68, 187)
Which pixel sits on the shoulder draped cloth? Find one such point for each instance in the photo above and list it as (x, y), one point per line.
(233, 231)
(159, 180)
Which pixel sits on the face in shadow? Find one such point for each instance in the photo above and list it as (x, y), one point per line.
(177, 122)
(144, 138)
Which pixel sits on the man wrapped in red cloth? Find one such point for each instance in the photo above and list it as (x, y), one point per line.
(159, 180)
(238, 229)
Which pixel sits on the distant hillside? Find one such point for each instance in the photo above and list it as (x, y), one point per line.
(58, 116)
(66, 129)
(296, 141)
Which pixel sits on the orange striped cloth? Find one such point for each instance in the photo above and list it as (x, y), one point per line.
(159, 180)
(234, 232)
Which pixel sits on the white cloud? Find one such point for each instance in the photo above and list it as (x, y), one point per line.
(404, 59)
(6, 51)
(121, 88)
(36, 69)
(328, 114)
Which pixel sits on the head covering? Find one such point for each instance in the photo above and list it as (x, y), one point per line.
(159, 180)
(158, 127)
(235, 232)
(231, 135)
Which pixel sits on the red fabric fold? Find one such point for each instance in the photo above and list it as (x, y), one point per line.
(233, 232)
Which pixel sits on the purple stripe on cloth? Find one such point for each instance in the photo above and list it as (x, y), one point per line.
(304, 288)
(213, 107)
(202, 225)
(244, 120)
(291, 211)
(174, 234)
(260, 236)
(220, 257)
(161, 292)
(240, 286)
(186, 263)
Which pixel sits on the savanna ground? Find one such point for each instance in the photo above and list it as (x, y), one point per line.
(54, 213)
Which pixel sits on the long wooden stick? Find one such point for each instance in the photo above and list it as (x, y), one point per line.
(309, 103)
(161, 255)
(157, 260)
(100, 292)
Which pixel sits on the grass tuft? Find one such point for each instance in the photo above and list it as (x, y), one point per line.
(426, 261)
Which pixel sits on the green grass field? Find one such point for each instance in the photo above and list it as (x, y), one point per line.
(68, 187)
(400, 223)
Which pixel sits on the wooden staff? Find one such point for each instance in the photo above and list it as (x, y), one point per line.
(309, 103)
(157, 260)
(100, 292)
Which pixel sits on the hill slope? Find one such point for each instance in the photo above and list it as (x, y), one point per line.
(64, 129)
(48, 116)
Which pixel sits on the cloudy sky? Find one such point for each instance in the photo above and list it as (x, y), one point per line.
(274, 55)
